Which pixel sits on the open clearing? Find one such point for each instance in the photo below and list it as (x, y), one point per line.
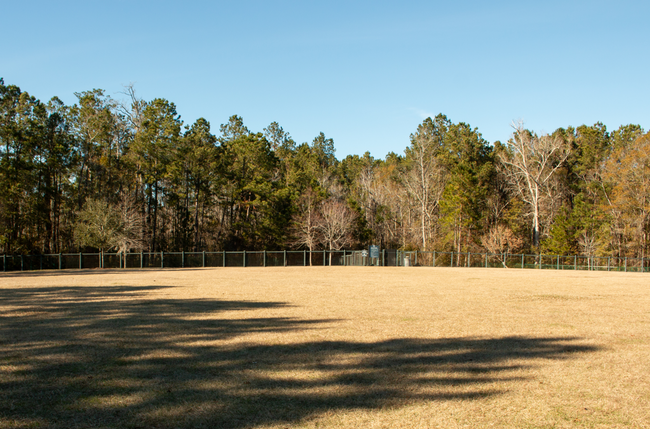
(327, 347)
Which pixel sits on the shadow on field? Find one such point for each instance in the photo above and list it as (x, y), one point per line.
(94, 271)
(117, 357)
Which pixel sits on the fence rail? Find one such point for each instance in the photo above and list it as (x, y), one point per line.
(285, 258)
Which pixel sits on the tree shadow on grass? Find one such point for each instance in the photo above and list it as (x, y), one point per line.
(94, 271)
(115, 357)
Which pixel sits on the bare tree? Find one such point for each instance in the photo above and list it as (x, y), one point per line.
(424, 180)
(499, 241)
(335, 224)
(305, 223)
(530, 163)
(132, 109)
(129, 235)
(387, 197)
(109, 226)
(588, 245)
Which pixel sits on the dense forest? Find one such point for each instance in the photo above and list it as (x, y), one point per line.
(129, 176)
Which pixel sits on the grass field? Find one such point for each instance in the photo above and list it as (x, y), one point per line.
(333, 347)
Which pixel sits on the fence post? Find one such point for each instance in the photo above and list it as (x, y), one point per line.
(41, 263)
(557, 262)
(59, 261)
(182, 258)
(264, 259)
(469, 256)
(4, 262)
(141, 259)
(486, 257)
(285, 258)
(304, 257)
(522, 261)
(162, 259)
(204, 259)
(224, 258)
(451, 264)
(608, 258)
(21, 263)
(575, 262)
(324, 259)
(626, 264)
(433, 261)
(79, 260)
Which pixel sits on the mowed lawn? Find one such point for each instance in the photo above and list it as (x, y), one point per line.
(326, 347)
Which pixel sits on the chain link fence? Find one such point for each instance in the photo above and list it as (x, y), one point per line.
(303, 258)
(554, 262)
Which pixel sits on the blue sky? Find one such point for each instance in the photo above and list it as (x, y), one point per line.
(365, 73)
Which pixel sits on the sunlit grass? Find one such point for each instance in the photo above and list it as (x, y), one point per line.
(324, 347)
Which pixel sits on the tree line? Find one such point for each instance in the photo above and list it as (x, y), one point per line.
(113, 175)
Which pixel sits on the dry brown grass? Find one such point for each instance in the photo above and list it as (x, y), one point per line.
(324, 347)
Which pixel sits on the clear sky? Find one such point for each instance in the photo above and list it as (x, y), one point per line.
(365, 73)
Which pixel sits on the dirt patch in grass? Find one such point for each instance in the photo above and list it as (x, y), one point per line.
(324, 347)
